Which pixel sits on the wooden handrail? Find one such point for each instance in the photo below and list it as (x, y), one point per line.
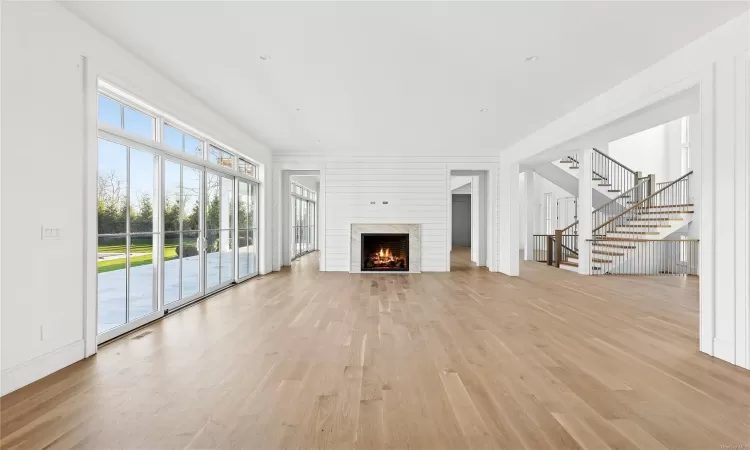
(642, 201)
(624, 194)
(615, 161)
(569, 226)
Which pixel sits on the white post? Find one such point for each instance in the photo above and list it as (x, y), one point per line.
(585, 222)
(530, 208)
(475, 222)
(508, 251)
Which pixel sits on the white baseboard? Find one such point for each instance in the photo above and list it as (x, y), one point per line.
(26, 373)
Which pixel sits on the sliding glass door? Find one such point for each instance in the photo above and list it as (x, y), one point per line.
(177, 214)
(219, 230)
(183, 232)
(128, 234)
(303, 213)
(247, 229)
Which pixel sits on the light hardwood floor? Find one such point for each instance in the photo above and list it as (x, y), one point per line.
(467, 359)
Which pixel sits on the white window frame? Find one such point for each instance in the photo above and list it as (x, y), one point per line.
(549, 215)
(157, 147)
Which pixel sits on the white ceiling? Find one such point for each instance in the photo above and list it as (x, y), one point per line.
(400, 78)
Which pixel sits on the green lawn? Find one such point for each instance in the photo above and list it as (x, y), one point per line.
(136, 246)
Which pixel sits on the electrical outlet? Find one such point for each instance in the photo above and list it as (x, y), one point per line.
(50, 233)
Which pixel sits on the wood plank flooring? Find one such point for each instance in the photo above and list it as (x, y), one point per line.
(467, 359)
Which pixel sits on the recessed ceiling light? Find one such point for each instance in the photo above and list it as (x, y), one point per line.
(265, 57)
(299, 109)
(532, 58)
(483, 110)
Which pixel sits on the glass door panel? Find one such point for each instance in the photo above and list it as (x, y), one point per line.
(190, 238)
(246, 222)
(182, 239)
(129, 234)
(227, 230)
(252, 220)
(171, 269)
(112, 284)
(191, 263)
(213, 218)
(219, 230)
(142, 298)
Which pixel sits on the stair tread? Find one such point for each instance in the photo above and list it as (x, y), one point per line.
(568, 263)
(634, 232)
(602, 252)
(670, 206)
(645, 226)
(615, 246)
(658, 218)
(665, 212)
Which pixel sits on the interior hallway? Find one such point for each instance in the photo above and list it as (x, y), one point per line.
(435, 360)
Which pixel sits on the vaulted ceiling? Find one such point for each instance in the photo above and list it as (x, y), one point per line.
(421, 78)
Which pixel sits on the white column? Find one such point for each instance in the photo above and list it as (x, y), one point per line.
(529, 210)
(585, 223)
(507, 226)
(475, 221)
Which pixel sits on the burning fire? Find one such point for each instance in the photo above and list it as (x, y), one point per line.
(385, 258)
(385, 255)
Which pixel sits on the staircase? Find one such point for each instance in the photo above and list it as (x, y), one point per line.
(610, 177)
(631, 233)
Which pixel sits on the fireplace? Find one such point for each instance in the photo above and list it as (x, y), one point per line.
(385, 252)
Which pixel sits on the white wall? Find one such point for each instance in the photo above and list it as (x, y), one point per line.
(542, 186)
(718, 64)
(652, 151)
(417, 190)
(43, 177)
(414, 192)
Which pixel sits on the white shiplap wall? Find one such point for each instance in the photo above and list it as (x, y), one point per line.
(415, 192)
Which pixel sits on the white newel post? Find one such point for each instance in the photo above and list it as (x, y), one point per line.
(528, 179)
(585, 222)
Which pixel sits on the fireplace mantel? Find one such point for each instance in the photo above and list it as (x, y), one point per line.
(415, 243)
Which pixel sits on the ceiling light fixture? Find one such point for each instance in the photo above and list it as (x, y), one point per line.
(483, 110)
(532, 58)
(299, 109)
(265, 57)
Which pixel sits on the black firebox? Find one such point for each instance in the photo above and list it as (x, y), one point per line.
(385, 252)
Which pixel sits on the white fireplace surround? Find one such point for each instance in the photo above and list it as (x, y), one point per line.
(415, 243)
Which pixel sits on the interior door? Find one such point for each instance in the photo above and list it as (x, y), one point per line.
(566, 211)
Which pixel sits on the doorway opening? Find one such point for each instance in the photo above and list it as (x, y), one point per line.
(468, 219)
(301, 215)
